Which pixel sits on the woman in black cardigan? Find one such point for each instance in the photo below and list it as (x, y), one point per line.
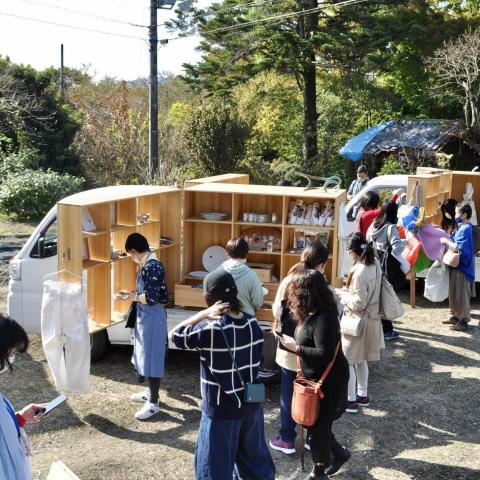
(313, 307)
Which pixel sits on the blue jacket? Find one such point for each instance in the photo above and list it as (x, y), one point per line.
(463, 237)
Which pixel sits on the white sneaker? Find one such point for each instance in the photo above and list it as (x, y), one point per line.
(147, 411)
(141, 397)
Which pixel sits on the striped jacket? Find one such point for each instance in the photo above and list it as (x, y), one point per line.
(222, 391)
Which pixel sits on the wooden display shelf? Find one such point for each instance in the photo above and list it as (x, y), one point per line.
(202, 220)
(148, 222)
(114, 211)
(164, 247)
(255, 224)
(308, 225)
(94, 327)
(89, 263)
(264, 252)
(94, 233)
(118, 227)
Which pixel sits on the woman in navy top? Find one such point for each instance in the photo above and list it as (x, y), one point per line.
(461, 278)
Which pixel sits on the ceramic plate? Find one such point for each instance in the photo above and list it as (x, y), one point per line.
(213, 257)
(198, 274)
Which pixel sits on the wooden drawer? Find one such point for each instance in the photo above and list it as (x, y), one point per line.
(264, 314)
(272, 292)
(189, 293)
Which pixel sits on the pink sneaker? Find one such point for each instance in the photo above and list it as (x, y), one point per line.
(281, 446)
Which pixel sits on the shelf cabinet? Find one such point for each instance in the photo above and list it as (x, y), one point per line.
(235, 200)
(88, 254)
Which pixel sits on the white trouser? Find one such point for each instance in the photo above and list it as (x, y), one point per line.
(358, 382)
(65, 337)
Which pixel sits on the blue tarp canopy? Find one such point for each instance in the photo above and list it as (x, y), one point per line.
(424, 135)
(353, 149)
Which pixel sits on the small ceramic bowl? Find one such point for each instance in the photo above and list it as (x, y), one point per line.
(143, 217)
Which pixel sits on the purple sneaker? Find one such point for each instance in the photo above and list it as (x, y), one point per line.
(281, 446)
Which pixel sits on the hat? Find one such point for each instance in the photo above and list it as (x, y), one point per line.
(220, 285)
(362, 169)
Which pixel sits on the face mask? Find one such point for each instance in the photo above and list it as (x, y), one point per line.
(447, 215)
(11, 359)
(458, 218)
(136, 260)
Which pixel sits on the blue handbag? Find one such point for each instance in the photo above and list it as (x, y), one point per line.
(252, 392)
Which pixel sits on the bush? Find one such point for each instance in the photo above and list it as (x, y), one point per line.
(17, 162)
(30, 194)
(391, 166)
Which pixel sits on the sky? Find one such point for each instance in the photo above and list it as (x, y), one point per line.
(38, 44)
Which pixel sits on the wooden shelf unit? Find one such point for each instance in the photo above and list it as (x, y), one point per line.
(435, 186)
(234, 200)
(114, 211)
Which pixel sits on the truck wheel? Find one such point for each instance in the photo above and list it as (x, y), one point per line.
(98, 345)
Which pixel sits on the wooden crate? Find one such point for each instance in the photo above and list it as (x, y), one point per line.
(188, 293)
(115, 211)
(264, 271)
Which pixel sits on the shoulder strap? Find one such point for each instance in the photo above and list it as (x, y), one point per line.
(231, 355)
(329, 366)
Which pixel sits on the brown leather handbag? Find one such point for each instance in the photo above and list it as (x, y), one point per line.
(307, 395)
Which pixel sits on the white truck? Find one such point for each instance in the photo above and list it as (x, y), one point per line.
(38, 257)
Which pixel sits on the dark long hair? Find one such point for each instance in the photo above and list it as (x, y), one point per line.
(12, 335)
(388, 214)
(358, 245)
(314, 255)
(448, 208)
(370, 200)
(308, 293)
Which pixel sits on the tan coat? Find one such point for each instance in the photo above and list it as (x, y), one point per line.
(365, 285)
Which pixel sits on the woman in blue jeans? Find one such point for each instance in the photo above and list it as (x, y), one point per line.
(315, 257)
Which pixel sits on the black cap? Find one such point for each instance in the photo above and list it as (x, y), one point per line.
(220, 285)
(362, 169)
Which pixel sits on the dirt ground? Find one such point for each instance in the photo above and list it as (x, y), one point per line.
(423, 422)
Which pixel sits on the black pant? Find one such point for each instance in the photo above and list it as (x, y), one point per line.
(154, 387)
(387, 326)
(323, 444)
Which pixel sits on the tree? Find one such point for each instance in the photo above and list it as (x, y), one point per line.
(33, 116)
(216, 139)
(457, 74)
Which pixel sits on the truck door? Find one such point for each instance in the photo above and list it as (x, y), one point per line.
(41, 261)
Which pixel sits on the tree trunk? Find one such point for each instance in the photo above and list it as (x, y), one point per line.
(307, 26)
(310, 117)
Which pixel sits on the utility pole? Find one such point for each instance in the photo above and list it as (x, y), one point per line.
(153, 91)
(62, 78)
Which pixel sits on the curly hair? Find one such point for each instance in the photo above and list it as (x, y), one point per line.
(308, 293)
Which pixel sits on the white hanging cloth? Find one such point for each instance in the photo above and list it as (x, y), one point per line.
(65, 336)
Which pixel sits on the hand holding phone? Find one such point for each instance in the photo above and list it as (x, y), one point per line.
(51, 405)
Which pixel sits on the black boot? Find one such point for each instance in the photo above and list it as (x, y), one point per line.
(318, 473)
(338, 461)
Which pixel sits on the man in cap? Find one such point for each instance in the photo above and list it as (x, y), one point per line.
(231, 439)
(359, 183)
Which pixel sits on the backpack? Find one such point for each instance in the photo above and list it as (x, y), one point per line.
(390, 265)
(476, 238)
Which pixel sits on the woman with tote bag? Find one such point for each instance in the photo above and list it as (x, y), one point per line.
(362, 301)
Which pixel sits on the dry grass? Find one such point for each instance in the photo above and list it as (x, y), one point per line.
(423, 423)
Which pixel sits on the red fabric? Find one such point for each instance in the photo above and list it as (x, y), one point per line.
(366, 218)
(21, 420)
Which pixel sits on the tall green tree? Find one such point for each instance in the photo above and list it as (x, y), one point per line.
(32, 115)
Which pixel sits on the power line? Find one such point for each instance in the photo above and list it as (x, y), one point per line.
(71, 26)
(240, 26)
(84, 14)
